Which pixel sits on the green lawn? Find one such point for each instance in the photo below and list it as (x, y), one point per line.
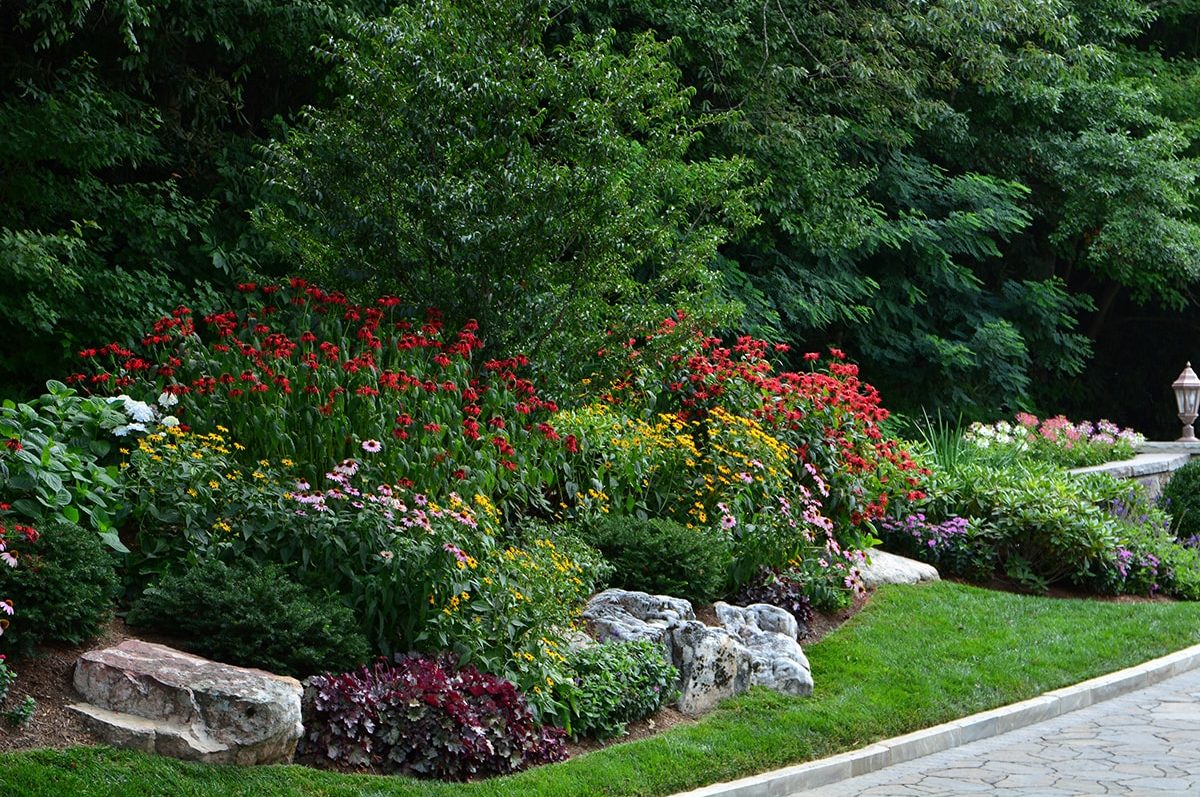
(917, 656)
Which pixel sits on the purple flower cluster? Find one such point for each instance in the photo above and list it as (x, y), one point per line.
(1145, 566)
(926, 534)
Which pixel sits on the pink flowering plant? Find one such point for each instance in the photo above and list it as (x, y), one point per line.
(432, 574)
(1056, 440)
(10, 536)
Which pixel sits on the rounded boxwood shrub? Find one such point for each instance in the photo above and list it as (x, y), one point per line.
(63, 587)
(617, 683)
(1181, 498)
(253, 616)
(427, 717)
(663, 557)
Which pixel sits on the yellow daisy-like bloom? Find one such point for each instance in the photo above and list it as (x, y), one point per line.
(213, 484)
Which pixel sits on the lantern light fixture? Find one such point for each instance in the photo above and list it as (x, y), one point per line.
(1187, 398)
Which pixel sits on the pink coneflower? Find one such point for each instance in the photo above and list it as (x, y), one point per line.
(728, 522)
(372, 446)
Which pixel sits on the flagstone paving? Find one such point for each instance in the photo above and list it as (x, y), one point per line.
(1144, 743)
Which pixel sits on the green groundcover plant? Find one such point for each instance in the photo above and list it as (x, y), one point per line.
(616, 683)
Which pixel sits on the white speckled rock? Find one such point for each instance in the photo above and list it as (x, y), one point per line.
(623, 615)
(888, 568)
(753, 645)
(713, 665)
(158, 699)
(769, 635)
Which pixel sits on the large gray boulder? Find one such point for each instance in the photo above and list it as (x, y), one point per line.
(753, 645)
(623, 615)
(769, 634)
(161, 700)
(712, 665)
(888, 568)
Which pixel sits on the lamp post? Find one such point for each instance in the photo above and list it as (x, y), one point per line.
(1187, 398)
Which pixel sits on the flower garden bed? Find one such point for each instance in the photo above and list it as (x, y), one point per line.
(333, 482)
(876, 678)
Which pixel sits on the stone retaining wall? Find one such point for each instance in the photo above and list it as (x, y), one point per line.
(1152, 467)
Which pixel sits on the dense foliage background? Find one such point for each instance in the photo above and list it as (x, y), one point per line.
(989, 205)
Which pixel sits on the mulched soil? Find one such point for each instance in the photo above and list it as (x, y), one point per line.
(47, 676)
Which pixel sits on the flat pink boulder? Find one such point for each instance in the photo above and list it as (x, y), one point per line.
(160, 700)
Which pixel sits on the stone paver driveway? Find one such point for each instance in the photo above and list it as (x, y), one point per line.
(1143, 743)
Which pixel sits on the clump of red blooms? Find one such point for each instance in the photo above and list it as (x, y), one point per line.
(371, 370)
(828, 414)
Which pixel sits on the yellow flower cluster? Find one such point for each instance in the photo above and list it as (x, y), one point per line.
(456, 602)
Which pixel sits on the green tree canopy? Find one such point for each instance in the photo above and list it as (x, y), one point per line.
(544, 190)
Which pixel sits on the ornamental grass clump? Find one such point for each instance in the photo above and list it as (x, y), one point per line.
(426, 717)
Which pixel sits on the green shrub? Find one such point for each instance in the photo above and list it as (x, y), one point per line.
(1046, 526)
(255, 617)
(1181, 498)
(617, 683)
(52, 452)
(663, 557)
(64, 587)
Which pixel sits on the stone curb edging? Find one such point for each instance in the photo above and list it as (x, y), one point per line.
(782, 782)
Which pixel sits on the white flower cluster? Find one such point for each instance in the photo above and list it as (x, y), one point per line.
(141, 414)
(1001, 433)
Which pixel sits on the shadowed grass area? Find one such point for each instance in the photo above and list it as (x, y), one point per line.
(915, 657)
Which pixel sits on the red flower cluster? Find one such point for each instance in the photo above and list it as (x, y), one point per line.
(829, 414)
(300, 372)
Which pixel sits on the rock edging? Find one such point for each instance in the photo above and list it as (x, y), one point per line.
(157, 699)
(754, 645)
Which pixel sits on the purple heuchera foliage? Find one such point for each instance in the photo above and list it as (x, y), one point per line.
(426, 717)
(779, 588)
